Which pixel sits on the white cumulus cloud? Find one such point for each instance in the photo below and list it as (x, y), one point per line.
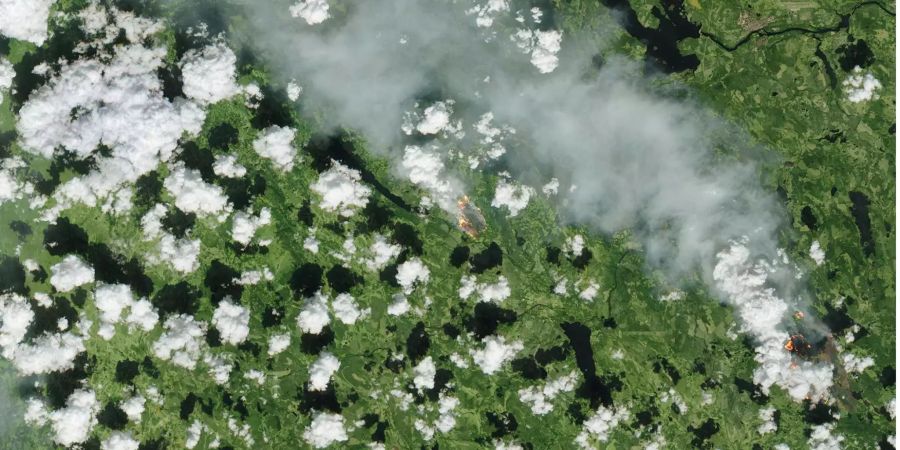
(208, 73)
(232, 320)
(321, 370)
(325, 429)
(341, 190)
(275, 143)
(495, 352)
(25, 19)
(70, 273)
(73, 423)
(312, 11)
(514, 197)
(314, 315)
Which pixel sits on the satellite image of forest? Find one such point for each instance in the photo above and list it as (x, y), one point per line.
(447, 224)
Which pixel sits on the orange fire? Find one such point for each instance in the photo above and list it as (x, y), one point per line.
(796, 343)
(470, 220)
(466, 226)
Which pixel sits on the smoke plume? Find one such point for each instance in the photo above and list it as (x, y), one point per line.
(638, 153)
(640, 159)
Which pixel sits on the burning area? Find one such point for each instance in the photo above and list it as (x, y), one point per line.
(808, 343)
(800, 346)
(470, 219)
